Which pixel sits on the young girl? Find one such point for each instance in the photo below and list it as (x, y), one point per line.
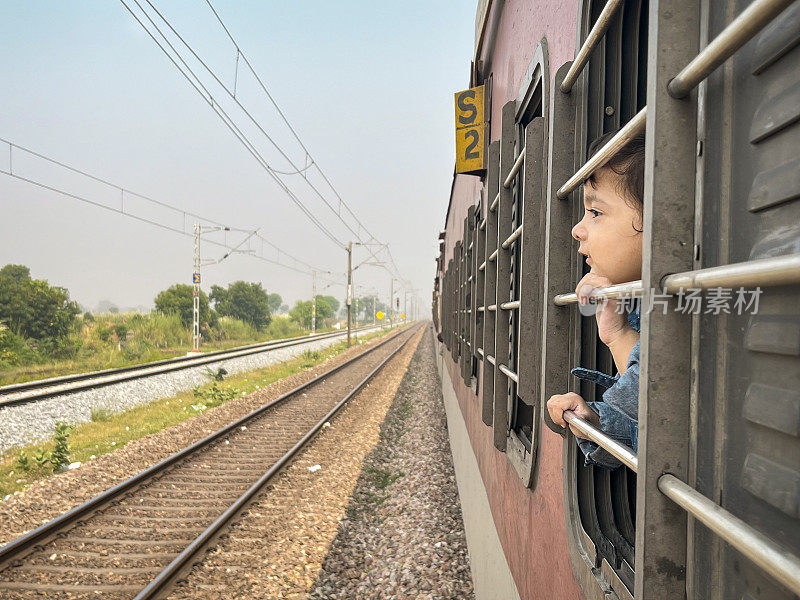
(610, 237)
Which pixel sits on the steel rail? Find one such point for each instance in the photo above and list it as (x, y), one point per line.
(772, 557)
(187, 557)
(592, 40)
(69, 384)
(47, 530)
(740, 31)
(631, 129)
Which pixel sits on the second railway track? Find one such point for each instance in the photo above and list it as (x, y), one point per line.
(32, 391)
(133, 540)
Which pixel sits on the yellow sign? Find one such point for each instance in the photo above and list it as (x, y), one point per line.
(470, 130)
(379, 314)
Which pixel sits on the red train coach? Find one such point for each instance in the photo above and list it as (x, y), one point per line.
(709, 506)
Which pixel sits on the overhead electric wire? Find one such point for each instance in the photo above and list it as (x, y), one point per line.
(121, 210)
(297, 170)
(285, 120)
(195, 81)
(251, 147)
(197, 85)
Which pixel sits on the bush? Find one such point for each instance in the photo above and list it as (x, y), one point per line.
(23, 462)
(33, 308)
(88, 317)
(41, 458)
(59, 457)
(101, 414)
(121, 330)
(212, 396)
(13, 349)
(247, 302)
(179, 299)
(284, 327)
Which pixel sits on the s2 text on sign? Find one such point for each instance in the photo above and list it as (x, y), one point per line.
(470, 130)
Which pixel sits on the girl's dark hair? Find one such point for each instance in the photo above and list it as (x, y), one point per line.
(628, 163)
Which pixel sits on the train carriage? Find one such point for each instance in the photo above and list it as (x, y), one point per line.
(709, 506)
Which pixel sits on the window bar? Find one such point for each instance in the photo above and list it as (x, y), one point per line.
(509, 373)
(532, 256)
(480, 277)
(631, 129)
(474, 244)
(455, 350)
(492, 307)
(483, 266)
(493, 255)
(625, 455)
(557, 261)
(490, 358)
(466, 298)
(494, 202)
(482, 226)
(490, 287)
(632, 289)
(741, 30)
(666, 340)
(505, 225)
(592, 40)
(779, 270)
(515, 169)
(513, 237)
(771, 556)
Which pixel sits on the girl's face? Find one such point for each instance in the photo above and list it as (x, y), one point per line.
(613, 248)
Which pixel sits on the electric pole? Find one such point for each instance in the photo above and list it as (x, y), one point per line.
(391, 302)
(196, 299)
(349, 288)
(313, 302)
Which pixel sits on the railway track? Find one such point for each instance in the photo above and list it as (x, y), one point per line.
(31, 391)
(135, 539)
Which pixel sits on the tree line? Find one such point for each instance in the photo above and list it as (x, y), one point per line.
(39, 320)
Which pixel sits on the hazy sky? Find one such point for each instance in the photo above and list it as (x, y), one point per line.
(368, 86)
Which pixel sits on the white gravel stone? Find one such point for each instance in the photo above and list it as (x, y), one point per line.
(33, 422)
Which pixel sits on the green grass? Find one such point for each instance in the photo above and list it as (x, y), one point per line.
(120, 340)
(109, 431)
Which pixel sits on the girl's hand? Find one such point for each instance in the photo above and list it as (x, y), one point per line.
(612, 323)
(571, 401)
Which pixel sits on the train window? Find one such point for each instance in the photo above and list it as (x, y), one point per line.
(466, 299)
(612, 91)
(476, 290)
(524, 128)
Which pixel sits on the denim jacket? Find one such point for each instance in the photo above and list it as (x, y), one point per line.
(619, 409)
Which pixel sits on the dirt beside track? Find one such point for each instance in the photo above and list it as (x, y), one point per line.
(380, 518)
(54, 496)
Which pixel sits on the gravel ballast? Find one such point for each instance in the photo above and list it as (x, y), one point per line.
(33, 422)
(368, 510)
(49, 498)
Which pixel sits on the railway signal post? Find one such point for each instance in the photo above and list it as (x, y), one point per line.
(349, 287)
